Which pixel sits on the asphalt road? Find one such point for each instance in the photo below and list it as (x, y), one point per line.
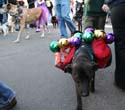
(28, 67)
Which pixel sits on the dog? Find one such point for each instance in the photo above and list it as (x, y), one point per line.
(79, 16)
(54, 21)
(4, 29)
(11, 23)
(82, 70)
(26, 15)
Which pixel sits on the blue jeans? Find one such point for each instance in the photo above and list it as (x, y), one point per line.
(62, 11)
(5, 17)
(6, 94)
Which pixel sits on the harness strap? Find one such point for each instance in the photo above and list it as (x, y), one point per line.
(88, 48)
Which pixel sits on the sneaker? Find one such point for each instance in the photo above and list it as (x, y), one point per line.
(9, 105)
(38, 30)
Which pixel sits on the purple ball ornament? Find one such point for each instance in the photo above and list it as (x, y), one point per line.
(109, 38)
(89, 30)
(75, 41)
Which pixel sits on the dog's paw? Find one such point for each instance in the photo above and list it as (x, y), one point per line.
(27, 37)
(79, 107)
(5, 35)
(42, 35)
(68, 69)
(92, 90)
(16, 41)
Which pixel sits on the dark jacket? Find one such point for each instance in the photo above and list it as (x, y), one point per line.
(113, 3)
(94, 8)
(12, 1)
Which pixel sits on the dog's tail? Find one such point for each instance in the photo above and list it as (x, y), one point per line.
(44, 15)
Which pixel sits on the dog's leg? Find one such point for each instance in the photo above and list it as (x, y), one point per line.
(19, 34)
(54, 25)
(4, 32)
(79, 98)
(7, 30)
(13, 27)
(42, 35)
(81, 26)
(92, 86)
(43, 31)
(27, 34)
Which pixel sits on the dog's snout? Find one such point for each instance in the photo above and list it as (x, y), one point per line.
(85, 88)
(84, 93)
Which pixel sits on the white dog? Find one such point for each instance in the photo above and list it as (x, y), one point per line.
(11, 23)
(4, 29)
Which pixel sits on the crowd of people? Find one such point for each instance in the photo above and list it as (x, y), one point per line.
(94, 15)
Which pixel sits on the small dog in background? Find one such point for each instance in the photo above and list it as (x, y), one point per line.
(11, 23)
(4, 29)
(54, 21)
(78, 18)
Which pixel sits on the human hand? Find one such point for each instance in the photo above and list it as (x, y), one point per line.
(105, 8)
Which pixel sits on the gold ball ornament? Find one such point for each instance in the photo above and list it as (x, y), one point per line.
(100, 34)
(63, 42)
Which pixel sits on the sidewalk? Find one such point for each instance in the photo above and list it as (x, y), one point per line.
(108, 25)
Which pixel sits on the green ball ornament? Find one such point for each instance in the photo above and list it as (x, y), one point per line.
(88, 37)
(54, 46)
(78, 35)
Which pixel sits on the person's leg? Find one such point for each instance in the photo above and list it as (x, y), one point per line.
(118, 23)
(5, 17)
(1, 18)
(6, 94)
(38, 26)
(88, 22)
(61, 22)
(101, 22)
(65, 10)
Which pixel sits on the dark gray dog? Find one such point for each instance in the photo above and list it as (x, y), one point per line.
(83, 70)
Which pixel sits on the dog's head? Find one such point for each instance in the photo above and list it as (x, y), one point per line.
(54, 19)
(11, 9)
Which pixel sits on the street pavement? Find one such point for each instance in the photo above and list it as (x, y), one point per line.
(28, 67)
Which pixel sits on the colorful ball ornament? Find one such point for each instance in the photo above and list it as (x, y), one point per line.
(78, 35)
(109, 38)
(88, 37)
(100, 34)
(89, 30)
(54, 46)
(75, 41)
(63, 42)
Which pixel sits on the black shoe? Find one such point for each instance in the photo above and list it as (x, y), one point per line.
(9, 105)
(119, 86)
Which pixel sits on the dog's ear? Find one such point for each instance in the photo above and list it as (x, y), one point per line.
(8, 6)
(68, 69)
(95, 65)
